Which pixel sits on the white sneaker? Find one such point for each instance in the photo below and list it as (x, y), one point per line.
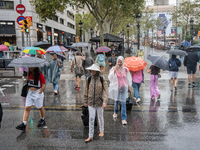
(138, 100)
(114, 115)
(55, 91)
(134, 98)
(124, 122)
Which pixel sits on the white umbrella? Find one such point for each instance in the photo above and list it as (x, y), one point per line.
(80, 44)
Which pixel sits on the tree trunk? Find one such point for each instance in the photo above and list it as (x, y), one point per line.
(101, 33)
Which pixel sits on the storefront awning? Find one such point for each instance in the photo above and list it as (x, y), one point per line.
(7, 35)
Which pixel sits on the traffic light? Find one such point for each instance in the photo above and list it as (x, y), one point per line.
(25, 26)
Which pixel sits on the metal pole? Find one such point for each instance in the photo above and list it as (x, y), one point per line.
(27, 40)
(164, 41)
(128, 41)
(157, 25)
(138, 36)
(176, 22)
(23, 44)
(144, 38)
(152, 40)
(192, 36)
(81, 37)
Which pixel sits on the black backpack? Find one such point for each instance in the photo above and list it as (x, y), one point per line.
(89, 79)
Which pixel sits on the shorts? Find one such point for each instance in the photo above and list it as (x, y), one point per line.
(191, 70)
(70, 60)
(173, 74)
(102, 63)
(76, 74)
(33, 98)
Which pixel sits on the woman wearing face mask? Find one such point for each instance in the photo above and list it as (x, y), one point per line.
(35, 96)
(120, 81)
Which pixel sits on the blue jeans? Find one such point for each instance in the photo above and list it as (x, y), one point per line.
(123, 109)
(136, 87)
(86, 78)
(55, 86)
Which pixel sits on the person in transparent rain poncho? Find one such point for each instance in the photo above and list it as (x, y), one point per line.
(120, 82)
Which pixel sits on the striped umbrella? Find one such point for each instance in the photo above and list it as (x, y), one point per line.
(56, 49)
(103, 49)
(134, 63)
(33, 50)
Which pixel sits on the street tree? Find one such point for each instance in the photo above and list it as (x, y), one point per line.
(100, 9)
(184, 12)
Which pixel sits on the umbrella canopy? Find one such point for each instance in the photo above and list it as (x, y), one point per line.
(60, 56)
(158, 61)
(73, 48)
(186, 43)
(3, 48)
(33, 50)
(107, 38)
(177, 52)
(6, 44)
(42, 44)
(103, 49)
(56, 49)
(134, 63)
(80, 44)
(194, 48)
(27, 62)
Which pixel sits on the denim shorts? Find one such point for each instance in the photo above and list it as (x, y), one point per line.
(191, 70)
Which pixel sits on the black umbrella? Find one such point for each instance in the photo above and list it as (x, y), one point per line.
(27, 62)
(158, 61)
(177, 52)
(42, 44)
(107, 38)
(60, 56)
(194, 48)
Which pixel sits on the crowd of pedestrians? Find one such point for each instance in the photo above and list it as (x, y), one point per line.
(97, 91)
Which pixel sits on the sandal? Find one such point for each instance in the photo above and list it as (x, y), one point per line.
(88, 140)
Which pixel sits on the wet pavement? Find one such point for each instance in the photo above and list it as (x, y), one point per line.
(171, 123)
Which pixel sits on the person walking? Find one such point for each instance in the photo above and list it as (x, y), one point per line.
(120, 81)
(154, 91)
(35, 96)
(95, 98)
(138, 78)
(112, 60)
(190, 62)
(70, 55)
(87, 63)
(54, 71)
(174, 64)
(100, 59)
(77, 61)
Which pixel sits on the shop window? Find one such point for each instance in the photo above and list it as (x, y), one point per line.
(70, 25)
(61, 21)
(6, 5)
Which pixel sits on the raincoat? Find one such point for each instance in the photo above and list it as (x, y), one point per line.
(53, 71)
(119, 80)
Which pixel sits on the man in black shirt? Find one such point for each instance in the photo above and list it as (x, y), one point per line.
(112, 60)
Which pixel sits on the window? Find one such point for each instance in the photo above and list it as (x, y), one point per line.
(70, 15)
(70, 25)
(6, 5)
(55, 18)
(61, 21)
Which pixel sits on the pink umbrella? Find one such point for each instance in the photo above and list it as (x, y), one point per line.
(3, 48)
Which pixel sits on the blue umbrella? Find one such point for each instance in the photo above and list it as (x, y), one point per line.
(186, 43)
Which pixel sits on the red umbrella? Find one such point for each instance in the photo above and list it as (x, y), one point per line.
(134, 63)
(3, 48)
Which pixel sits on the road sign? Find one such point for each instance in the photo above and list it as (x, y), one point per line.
(30, 20)
(20, 18)
(198, 33)
(20, 8)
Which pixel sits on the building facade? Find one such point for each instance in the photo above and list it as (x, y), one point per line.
(58, 30)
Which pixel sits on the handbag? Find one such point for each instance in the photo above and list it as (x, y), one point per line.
(78, 70)
(24, 90)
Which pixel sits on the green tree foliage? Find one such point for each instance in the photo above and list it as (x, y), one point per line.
(184, 12)
(102, 10)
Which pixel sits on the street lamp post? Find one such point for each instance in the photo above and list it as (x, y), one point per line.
(191, 23)
(80, 26)
(127, 27)
(144, 38)
(164, 38)
(138, 16)
(91, 32)
(123, 42)
(152, 39)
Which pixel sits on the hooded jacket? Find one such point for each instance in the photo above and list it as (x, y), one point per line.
(87, 63)
(191, 60)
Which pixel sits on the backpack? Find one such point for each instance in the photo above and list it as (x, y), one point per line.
(89, 79)
(172, 65)
(101, 57)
